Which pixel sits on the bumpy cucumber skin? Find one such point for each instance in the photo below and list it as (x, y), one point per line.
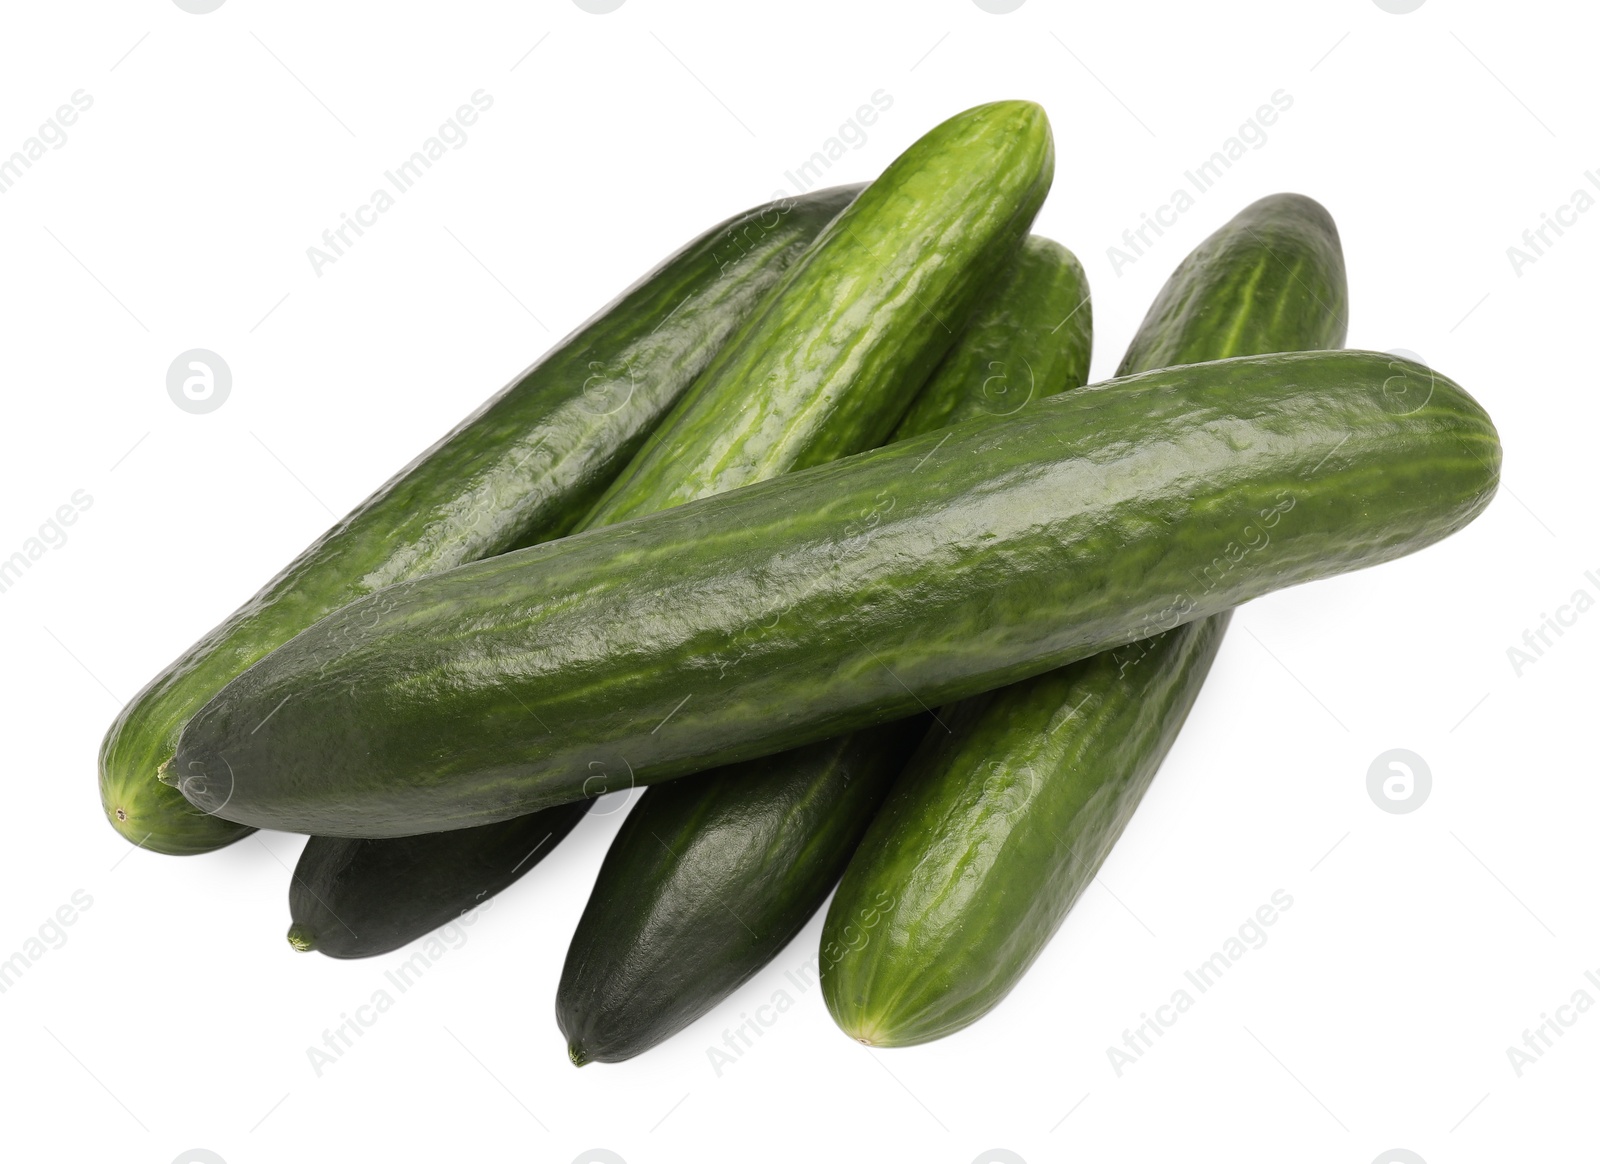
(524, 467)
(794, 386)
(863, 318)
(354, 899)
(704, 884)
(712, 875)
(844, 595)
(1271, 279)
(1030, 338)
(993, 833)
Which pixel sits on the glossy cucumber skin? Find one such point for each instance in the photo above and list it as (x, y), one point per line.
(1275, 270)
(525, 467)
(712, 875)
(1030, 338)
(820, 407)
(844, 595)
(354, 899)
(994, 831)
(863, 318)
(704, 884)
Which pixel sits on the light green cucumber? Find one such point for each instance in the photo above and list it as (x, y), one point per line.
(863, 319)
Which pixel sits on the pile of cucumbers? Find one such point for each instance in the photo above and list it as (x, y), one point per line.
(817, 532)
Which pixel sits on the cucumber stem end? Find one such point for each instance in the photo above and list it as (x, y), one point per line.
(302, 938)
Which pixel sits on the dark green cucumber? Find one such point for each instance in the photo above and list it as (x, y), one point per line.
(712, 876)
(979, 178)
(354, 899)
(840, 596)
(1031, 338)
(704, 884)
(525, 467)
(864, 317)
(997, 827)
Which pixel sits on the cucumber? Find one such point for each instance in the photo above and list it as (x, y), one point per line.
(1031, 338)
(705, 883)
(525, 467)
(354, 899)
(863, 318)
(712, 876)
(1275, 270)
(840, 596)
(982, 173)
(995, 828)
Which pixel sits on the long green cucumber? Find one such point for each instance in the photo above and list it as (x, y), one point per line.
(525, 467)
(712, 876)
(1031, 338)
(996, 827)
(844, 595)
(979, 178)
(705, 883)
(864, 317)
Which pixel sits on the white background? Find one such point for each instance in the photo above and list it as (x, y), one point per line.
(177, 215)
